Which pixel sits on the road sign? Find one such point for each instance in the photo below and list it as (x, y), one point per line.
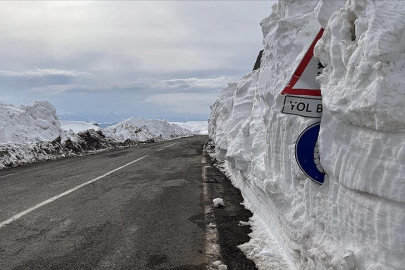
(303, 82)
(307, 154)
(303, 106)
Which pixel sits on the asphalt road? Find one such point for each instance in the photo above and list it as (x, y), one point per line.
(92, 213)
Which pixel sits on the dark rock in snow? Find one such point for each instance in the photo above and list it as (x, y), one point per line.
(258, 60)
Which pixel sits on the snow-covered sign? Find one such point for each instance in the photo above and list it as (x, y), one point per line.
(303, 106)
(303, 81)
(307, 154)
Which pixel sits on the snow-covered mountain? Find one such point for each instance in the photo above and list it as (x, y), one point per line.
(356, 218)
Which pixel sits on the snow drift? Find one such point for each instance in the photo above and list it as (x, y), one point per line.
(26, 124)
(356, 219)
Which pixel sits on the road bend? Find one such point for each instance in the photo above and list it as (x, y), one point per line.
(135, 208)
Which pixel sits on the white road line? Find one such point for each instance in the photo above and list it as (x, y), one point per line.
(8, 175)
(165, 147)
(212, 247)
(29, 210)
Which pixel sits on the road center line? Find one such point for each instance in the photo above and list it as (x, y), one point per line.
(29, 210)
(165, 147)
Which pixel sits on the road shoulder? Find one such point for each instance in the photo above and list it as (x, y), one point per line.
(224, 233)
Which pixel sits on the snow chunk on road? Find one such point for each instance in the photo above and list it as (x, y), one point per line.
(218, 202)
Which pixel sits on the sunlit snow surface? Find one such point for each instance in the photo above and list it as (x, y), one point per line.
(356, 219)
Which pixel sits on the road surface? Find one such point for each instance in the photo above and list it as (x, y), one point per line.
(136, 208)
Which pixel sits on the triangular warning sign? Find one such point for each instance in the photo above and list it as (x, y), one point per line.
(303, 81)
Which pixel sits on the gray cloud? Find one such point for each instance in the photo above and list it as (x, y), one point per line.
(187, 103)
(105, 51)
(219, 82)
(43, 73)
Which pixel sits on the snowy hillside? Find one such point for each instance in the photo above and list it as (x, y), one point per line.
(356, 218)
(144, 130)
(196, 127)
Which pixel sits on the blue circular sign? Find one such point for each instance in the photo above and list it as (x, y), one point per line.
(307, 154)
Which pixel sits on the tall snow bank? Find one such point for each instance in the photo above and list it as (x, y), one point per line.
(33, 133)
(362, 133)
(145, 130)
(363, 50)
(356, 219)
(28, 124)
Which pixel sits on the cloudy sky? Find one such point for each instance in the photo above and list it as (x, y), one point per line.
(107, 60)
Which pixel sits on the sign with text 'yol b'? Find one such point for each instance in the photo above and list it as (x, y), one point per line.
(303, 106)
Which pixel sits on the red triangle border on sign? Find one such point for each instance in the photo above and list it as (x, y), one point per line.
(300, 69)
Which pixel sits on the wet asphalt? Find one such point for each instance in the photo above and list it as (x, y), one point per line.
(147, 215)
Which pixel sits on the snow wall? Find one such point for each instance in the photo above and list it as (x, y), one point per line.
(34, 133)
(28, 124)
(356, 218)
